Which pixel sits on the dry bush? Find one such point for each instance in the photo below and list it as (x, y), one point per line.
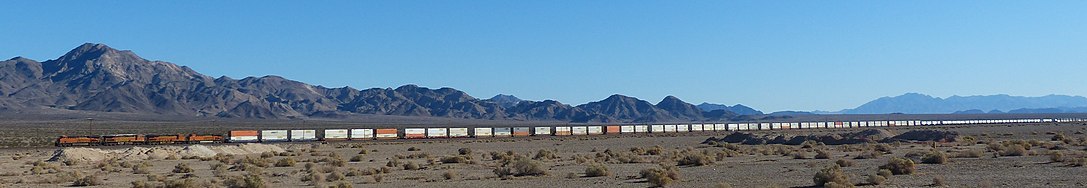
(335, 176)
(449, 175)
(900, 166)
(378, 178)
(638, 151)
(356, 158)
(822, 154)
(245, 181)
(655, 150)
(142, 168)
(456, 159)
(869, 155)
(412, 166)
(571, 175)
(341, 185)
(935, 157)
(800, 155)
(393, 163)
(968, 154)
(413, 148)
(90, 180)
(314, 177)
(544, 155)
(876, 179)
(938, 181)
(185, 183)
(1014, 150)
(832, 174)
(596, 170)
(885, 173)
(660, 177)
(267, 154)
(844, 162)
(464, 151)
(286, 162)
(628, 157)
(1056, 156)
(521, 167)
(695, 159)
(182, 168)
(142, 184)
(260, 162)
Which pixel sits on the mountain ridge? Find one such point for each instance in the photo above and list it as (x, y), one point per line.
(99, 78)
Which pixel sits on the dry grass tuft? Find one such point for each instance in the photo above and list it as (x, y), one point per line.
(832, 175)
(597, 170)
(900, 166)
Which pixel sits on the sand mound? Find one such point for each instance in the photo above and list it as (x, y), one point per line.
(865, 136)
(159, 152)
(79, 155)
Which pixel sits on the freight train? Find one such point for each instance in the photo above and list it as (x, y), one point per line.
(303, 135)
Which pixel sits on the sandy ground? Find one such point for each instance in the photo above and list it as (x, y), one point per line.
(749, 168)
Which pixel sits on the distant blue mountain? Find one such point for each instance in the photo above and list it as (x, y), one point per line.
(915, 103)
(739, 109)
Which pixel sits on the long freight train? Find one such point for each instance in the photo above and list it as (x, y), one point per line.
(302, 135)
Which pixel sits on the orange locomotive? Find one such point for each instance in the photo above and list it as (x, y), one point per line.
(78, 141)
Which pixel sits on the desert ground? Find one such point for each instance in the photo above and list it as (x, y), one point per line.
(1013, 155)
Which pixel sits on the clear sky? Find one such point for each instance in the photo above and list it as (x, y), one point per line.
(771, 55)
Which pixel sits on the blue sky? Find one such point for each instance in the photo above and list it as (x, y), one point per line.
(771, 55)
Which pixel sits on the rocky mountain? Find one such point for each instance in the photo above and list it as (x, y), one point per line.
(505, 101)
(738, 108)
(97, 78)
(915, 103)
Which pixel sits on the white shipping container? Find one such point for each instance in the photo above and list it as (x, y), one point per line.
(415, 131)
(303, 135)
(683, 128)
(697, 127)
(563, 130)
(657, 128)
(641, 128)
(362, 134)
(458, 132)
(626, 129)
(579, 130)
(437, 132)
(720, 127)
(482, 132)
(542, 131)
(669, 128)
(341, 134)
(503, 131)
(736, 126)
(273, 135)
(595, 130)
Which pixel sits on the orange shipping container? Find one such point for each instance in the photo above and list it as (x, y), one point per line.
(612, 129)
(386, 134)
(244, 133)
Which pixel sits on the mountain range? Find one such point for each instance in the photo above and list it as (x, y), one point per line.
(98, 78)
(916, 103)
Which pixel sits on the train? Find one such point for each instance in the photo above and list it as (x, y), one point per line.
(348, 134)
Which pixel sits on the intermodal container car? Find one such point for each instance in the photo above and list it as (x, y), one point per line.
(563, 131)
(415, 133)
(244, 136)
(580, 130)
(308, 135)
(482, 132)
(386, 134)
(641, 129)
(437, 132)
(542, 131)
(594, 130)
(613, 129)
(503, 132)
(362, 134)
(626, 129)
(274, 136)
(459, 132)
(522, 131)
(656, 128)
(336, 134)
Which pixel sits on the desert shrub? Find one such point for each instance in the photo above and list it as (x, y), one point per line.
(822, 154)
(660, 177)
(182, 168)
(90, 180)
(393, 163)
(844, 162)
(449, 175)
(341, 184)
(638, 151)
(503, 172)
(800, 155)
(629, 157)
(832, 174)
(655, 150)
(722, 185)
(286, 162)
(869, 155)
(597, 170)
(464, 151)
(356, 158)
(900, 166)
(571, 175)
(336, 161)
(363, 152)
(885, 173)
(413, 148)
(455, 159)
(968, 154)
(141, 184)
(412, 166)
(935, 157)
(245, 181)
(545, 154)
(876, 179)
(185, 183)
(1056, 156)
(938, 181)
(695, 159)
(1076, 161)
(1014, 150)
(267, 154)
(314, 177)
(378, 178)
(335, 176)
(527, 167)
(142, 168)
